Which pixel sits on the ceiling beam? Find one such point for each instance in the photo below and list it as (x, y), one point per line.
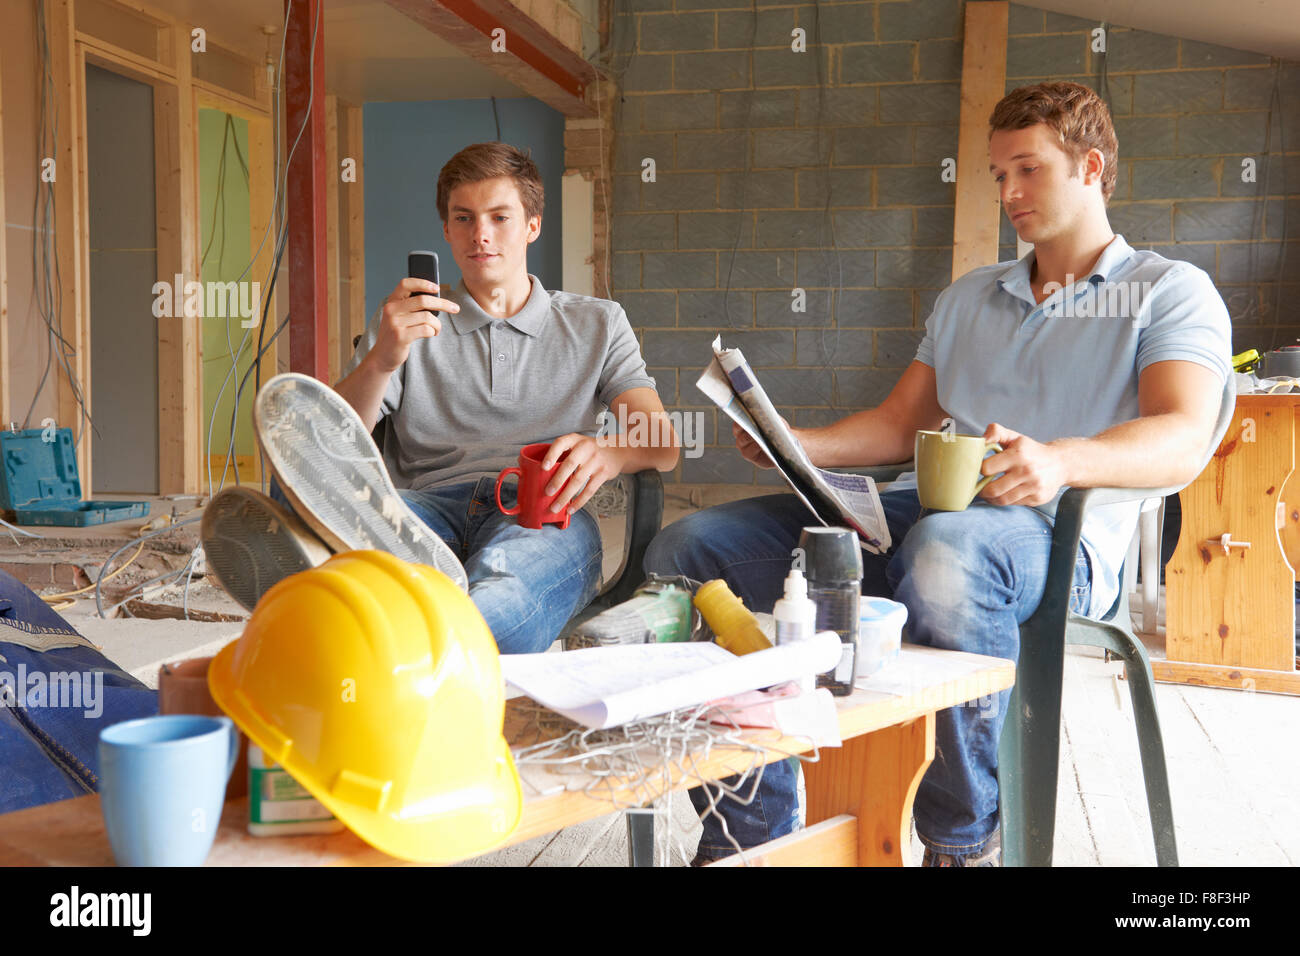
(533, 59)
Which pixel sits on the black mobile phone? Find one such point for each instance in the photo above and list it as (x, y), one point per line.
(422, 264)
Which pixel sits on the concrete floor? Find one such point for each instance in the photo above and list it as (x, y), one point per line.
(1232, 755)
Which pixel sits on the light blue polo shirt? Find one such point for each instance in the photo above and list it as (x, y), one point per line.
(1070, 367)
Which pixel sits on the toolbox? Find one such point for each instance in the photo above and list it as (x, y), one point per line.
(40, 485)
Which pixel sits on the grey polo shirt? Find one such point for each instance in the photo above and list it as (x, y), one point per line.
(1069, 367)
(465, 401)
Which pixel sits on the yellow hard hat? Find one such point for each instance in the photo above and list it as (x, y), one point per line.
(377, 685)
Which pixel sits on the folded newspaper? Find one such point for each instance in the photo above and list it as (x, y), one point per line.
(835, 499)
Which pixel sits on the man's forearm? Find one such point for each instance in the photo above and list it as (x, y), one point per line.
(364, 390)
(1154, 451)
(868, 437)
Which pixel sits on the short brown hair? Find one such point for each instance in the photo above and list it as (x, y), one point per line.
(1077, 115)
(488, 161)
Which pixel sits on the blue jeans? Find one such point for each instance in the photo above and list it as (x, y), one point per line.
(526, 583)
(54, 701)
(969, 579)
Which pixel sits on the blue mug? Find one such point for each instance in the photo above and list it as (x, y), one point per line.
(163, 784)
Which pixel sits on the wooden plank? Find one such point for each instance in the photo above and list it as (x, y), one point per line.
(71, 232)
(1236, 609)
(354, 195)
(124, 61)
(832, 842)
(1222, 675)
(246, 105)
(7, 413)
(977, 217)
(467, 25)
(1289, 508)
(180, 377)
(332, 275)
(874, 777)
(261, 207)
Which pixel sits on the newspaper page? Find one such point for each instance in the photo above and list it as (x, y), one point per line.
(852, 500)
(607, 686)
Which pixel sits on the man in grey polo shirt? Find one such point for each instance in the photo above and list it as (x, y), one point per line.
(1032, 355)
(510, 365)
(513, 364)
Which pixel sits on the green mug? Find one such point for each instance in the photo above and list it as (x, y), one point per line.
(948, 469)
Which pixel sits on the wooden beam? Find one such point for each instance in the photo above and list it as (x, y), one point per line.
(1257, 679)
(181, 465)
(874, 777)
(977, 217)
(832, 842)
(261, 208)
(550, 71)
(304, 92)
(69, 225)
(332, 275)
(354, 195)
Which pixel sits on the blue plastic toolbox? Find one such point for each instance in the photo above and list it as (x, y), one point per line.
(40, 484)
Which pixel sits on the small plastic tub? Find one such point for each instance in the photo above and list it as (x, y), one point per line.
(880, 633)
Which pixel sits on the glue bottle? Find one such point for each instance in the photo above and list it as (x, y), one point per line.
(795, 617)
(795, 614)
(278, 805)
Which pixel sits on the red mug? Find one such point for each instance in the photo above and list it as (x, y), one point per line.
(533, 507)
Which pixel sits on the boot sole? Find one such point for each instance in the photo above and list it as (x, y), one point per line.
(251, 543)
(335, 477)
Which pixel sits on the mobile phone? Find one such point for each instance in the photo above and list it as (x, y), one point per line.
(422, 264)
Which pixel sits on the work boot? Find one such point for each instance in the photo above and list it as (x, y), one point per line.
(251, 542)
(335, 477)
(991, 855)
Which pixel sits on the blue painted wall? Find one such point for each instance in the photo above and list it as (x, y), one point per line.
(407, 144)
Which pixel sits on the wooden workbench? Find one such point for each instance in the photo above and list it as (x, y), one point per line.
(1230, 612)
(859, 795)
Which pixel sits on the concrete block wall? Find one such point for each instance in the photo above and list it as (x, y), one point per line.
(1188, 115)
(749, 176)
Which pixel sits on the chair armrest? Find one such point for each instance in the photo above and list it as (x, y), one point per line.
(1068, 528)
(645, 512)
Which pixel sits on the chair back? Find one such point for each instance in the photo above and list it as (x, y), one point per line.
(1227, 407)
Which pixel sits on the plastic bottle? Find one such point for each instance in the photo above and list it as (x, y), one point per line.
(795, 617)
(734, 626)
(834, 564)
(278, 805)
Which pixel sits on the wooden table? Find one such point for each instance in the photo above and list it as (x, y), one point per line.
(1231, 615)
(859, 795)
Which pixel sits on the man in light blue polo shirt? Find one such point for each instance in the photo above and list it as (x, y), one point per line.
(1091, 363)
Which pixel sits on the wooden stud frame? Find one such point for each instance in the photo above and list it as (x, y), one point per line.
(181, 466)
(977, 216)
(354, 208)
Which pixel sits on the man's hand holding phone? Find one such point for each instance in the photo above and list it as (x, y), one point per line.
(407, 316)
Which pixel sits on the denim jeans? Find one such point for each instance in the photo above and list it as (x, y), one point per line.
(968, 578)
(54, 701)
(526, 583)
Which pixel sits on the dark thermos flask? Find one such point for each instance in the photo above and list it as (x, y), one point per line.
(833, 567)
